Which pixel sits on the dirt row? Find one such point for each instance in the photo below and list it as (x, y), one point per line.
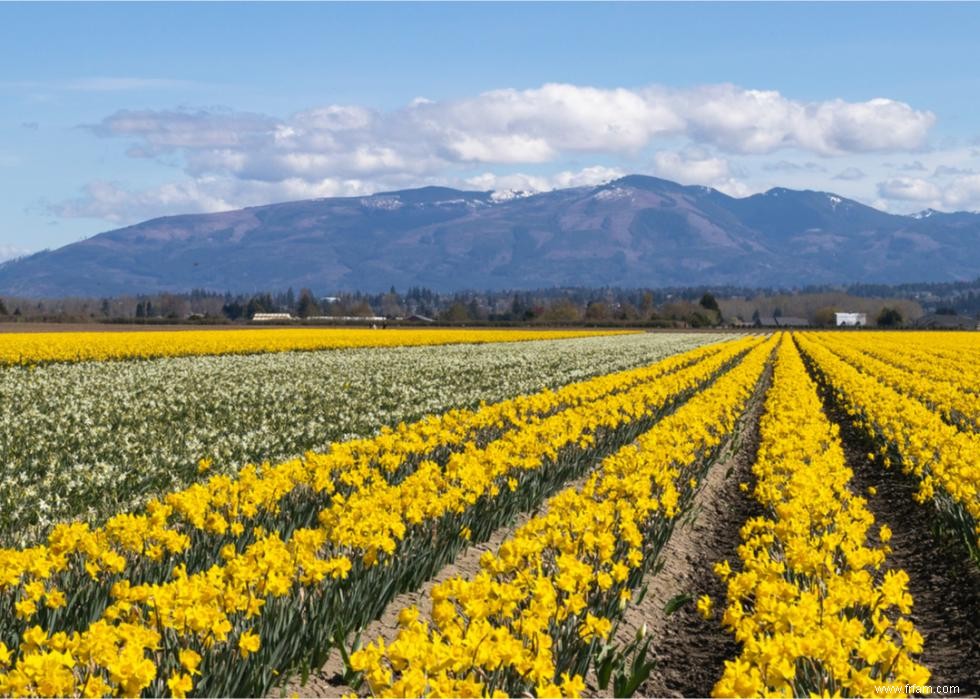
(689, 652)
(943, 581)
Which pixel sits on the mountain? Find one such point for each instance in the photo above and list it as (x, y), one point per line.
(635, 231)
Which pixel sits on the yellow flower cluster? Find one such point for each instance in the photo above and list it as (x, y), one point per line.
(205, 612)
(942, 457)
(940, 387)
(35, 348)
(948, 357)
(377, 516)
(225, 506)
(809, 606)
(213, 610)
(550, 592)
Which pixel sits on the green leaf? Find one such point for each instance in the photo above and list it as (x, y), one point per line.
(677, 602)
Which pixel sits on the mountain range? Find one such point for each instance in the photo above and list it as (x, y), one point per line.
(636, 231)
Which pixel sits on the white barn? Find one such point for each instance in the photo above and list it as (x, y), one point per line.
(852, 319)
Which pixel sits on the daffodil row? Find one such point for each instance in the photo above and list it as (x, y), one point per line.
(945, 356)
(532, 620)
(70, 434)
(192, 526)
(809, 605)
(942, 458)
(952, 358)
(296, 591)
(36, 348)
(956, 405)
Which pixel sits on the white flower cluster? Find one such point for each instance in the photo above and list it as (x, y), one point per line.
(92, 439)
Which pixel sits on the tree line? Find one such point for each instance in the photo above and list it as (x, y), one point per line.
(677, 306)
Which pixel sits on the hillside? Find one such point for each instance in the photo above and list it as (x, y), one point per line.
(635, 231)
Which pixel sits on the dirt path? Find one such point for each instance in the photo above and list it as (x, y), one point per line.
(943, 581)
(690, 652)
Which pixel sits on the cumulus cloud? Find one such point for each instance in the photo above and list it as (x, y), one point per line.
(515, 126)
(909, 189)
(229, 156)
(112, 202)
(586, 177)
(9, 252)
(850, 174)
(690, 166)
(959, 190)
(699, 166)
(963, 193)
(763, 121)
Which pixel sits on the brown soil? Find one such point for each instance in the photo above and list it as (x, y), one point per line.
(689, 651)
(943, 581)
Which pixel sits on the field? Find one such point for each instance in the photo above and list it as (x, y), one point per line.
(484, 513)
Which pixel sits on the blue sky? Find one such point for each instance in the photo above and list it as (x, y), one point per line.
(113, 113)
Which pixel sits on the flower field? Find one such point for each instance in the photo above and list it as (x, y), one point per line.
(229, 525)
(38, 348)
(70, 432)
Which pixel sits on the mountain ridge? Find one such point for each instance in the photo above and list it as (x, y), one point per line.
(633, 231)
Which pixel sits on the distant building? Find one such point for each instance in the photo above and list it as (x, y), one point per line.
(347, 319)
(853, 320)
(416, 318)
(271, 317)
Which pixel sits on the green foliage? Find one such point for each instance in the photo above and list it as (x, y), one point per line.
(889, 318)
(709, 302)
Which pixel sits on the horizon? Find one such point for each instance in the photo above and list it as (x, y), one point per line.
(702, 94)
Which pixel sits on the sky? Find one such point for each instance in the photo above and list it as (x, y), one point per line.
(113, 113)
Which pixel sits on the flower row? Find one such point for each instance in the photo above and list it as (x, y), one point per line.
(940, 456)
(36, 348)
(278, 597)
(809, 604)
(537, 613)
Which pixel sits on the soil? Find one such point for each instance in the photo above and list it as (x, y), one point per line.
(943, 581)
(688, 650)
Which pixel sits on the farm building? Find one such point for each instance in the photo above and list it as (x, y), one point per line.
(851, 319)
(271, 317)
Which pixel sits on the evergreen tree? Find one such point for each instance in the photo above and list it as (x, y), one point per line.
(307, 305)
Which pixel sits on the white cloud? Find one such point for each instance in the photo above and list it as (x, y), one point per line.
(585, 177)
(9, 252)
(850, 174)
(514, 126)
(698, 166)
(112, 202)
(231, 157)
(963, 193)
(909, 189)
(763, 121)
(690, 167)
